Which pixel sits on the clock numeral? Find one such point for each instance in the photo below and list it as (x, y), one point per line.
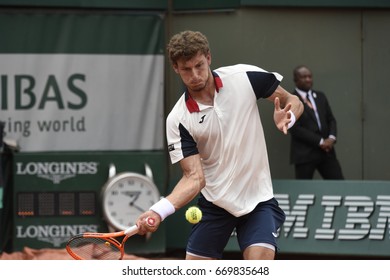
(130, 182)
(114, 193)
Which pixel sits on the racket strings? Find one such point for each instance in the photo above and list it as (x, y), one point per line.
(93, 248)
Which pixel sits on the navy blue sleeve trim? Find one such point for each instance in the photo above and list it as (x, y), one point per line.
(188, 144)
(263, 83)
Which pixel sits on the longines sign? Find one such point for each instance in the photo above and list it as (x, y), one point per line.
(56, 235)
(56, 171)
(57, 195)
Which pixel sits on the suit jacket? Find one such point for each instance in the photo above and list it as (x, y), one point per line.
(306, 135)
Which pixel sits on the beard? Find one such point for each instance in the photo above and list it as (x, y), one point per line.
(201, 86)
(198, 88)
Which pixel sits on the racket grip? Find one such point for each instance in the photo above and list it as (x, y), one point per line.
(150, 221)
(134, 229)
(131, 230)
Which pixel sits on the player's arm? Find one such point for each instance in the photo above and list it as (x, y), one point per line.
(186, 190)
(285, 104)
(190, 184)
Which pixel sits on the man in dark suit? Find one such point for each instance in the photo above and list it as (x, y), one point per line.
(313, 136)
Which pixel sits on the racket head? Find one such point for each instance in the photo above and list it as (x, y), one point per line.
(101, 246)
(96, 246)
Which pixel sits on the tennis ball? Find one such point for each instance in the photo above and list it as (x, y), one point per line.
(193, 215)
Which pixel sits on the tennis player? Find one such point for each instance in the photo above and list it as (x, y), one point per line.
(214, 131)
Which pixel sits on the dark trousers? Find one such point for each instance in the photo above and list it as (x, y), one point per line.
(328, 167)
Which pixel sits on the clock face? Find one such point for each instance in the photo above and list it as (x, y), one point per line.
(126, 196)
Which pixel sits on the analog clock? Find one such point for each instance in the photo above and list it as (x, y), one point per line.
(126, 195)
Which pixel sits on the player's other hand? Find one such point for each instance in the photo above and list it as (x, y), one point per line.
(282, 117)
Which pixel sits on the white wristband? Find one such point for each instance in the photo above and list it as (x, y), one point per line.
(293, 119)
(163, 207)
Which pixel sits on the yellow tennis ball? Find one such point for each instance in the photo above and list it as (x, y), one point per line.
(193, 215)
(107, 244)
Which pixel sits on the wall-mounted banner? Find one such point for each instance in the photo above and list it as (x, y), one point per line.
(346, 218)
(335, 217)
(58, 195)
(82, 82)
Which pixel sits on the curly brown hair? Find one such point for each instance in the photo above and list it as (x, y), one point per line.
(186, 45)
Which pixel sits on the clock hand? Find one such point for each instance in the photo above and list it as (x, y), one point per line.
(134, 197)
(136, 207)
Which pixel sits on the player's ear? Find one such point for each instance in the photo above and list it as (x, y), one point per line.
(175, 67)
(208, 57)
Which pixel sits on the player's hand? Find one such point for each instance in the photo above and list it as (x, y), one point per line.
(148, 222)
(282, 117)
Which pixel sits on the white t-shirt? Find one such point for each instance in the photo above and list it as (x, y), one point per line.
(228, 136)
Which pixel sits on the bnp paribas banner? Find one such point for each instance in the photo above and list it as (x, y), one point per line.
(82, 81)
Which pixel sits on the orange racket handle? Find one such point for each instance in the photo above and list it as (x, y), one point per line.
(134, 229)
(131, 230)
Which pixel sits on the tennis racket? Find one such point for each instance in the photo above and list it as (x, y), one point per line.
(101, 246)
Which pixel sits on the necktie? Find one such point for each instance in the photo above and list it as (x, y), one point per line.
(311, 103)
(308, 102)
